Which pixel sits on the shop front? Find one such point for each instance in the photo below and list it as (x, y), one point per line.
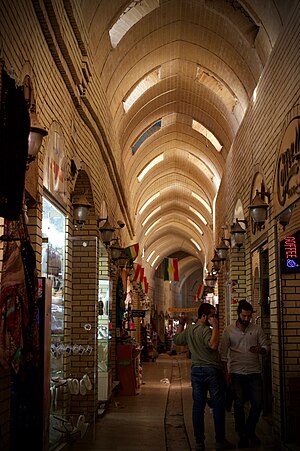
(287, 235)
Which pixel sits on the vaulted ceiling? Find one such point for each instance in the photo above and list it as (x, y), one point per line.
(178, 76)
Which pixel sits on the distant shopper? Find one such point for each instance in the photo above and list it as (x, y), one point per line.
(207, 374)
(144, 343)
(241, 346)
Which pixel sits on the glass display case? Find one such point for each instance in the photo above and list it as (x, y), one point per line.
(104, 339)
(53, 265)
(53, 262)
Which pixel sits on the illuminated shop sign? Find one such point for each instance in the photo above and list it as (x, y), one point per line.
(287, 175)
(290, 254)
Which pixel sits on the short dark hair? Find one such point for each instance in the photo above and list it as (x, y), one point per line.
(244, 305)
(205, 309)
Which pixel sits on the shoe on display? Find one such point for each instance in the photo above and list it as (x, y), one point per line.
(75, 387)
(82, 388)
(82, 426)
(87, 382)
(225, 445)
(83, 429)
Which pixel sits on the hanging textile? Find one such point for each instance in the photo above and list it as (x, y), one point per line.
(19, 337)
(171, 269)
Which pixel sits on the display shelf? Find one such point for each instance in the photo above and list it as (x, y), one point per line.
(104, 338)
(128, 369)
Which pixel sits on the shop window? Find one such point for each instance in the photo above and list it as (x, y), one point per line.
(53, 261)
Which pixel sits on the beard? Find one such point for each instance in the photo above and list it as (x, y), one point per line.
(244, 322)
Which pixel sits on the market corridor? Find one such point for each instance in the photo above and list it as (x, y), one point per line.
(159, 418)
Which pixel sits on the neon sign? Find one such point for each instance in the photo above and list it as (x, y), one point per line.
(290, 254)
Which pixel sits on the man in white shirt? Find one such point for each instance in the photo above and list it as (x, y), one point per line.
(241, 345)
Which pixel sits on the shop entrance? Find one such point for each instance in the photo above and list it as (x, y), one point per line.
(261, 302)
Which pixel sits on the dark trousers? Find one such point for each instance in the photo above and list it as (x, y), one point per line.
(208, 380)
(246, 388)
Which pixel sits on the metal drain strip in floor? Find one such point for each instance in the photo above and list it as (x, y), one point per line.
(175, 430)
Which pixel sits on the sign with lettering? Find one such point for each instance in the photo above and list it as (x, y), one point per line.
(287, 176)
(138, 313)
(290, 254)
(183, 309)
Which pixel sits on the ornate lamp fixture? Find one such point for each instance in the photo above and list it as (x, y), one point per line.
(36, 135)
(81, 207)
(237, 232)
(211, 280)
(122, 260)
(285, 216)
(217, 262)
(116, 250)
(106, 232)
(222, 249)
(259, 209)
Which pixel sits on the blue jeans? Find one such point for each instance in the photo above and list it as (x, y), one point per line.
(208, 380)
(246, 388)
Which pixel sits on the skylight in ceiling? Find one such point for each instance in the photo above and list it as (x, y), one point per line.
(145, 84)
(200, 216)
(149, 166)
(196, 244)
(150, 215)
(202, 166)
(148, 202)
(153, 129)
(129, 17)
(202, 201)
(155, 260)
(196, 226)
(218, 86)
(149, 257)
(207, 134)
(152, 226)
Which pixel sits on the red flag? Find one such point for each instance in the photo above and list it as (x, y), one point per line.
(142, 274)
(146, 285)
(137, 271)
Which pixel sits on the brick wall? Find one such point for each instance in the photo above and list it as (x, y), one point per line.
(255, 150)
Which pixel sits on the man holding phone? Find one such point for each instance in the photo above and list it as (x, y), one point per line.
(207, 375)
(241, 346)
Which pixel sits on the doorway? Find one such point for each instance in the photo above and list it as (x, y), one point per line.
(261, 303)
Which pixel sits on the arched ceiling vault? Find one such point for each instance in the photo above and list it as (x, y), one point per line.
(178, 76)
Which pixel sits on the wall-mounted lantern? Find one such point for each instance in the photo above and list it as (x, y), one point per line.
(285, 216)
(217, 262)
(211, 280)
(222, 249)
(81, 207)
(116, 250)
(106, 232)
(259, 209)
(36, 135)
(237, 232)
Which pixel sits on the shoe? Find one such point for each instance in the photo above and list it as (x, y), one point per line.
(254, 440)
(225, 445)
(200, 447)
(243, 442)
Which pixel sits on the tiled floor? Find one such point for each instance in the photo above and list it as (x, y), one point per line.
(137, 423)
